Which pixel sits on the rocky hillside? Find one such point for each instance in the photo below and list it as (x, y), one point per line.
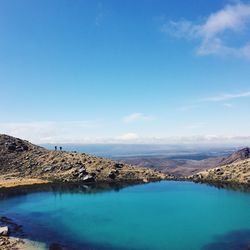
(237, 172)
(198, 166)
(239, 155)
(21, 159)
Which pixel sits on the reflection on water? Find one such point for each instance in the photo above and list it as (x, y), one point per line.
(229, 186)
(233, 240)
(58, 188)
(93, 188)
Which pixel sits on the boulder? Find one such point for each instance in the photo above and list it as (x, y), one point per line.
(19, 149)
(46, 169)
(25, 147)
(119, 165)
(10, 146)
(66, 167)
(113, 173)
(88, 178)
(80, 175)
(93, 174)
(4, 231)
(82, 170)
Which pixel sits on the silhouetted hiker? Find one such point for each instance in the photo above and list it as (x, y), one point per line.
(60, 148)
(55, 148)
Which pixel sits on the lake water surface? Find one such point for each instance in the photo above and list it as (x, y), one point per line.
(155, 216)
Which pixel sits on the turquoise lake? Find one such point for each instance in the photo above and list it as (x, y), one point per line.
(155, 216)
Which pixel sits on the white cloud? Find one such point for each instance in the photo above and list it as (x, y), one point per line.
(211, 32)
(78, 133)
(127, 137)
(135, 117)
(48, 131)
(225, 97)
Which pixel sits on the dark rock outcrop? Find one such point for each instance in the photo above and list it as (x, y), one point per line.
(4, 231)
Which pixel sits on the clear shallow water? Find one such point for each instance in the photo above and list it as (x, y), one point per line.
(164, 215)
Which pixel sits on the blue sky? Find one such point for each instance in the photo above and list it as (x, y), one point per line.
(125, 71)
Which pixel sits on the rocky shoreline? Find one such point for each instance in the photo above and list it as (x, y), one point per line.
(20, 182)
(12, 237)
(237, 173)
(7, 226)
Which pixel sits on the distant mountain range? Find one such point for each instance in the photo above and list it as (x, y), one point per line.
(185, 167)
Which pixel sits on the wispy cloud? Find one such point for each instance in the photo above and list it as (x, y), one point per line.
(216, 98)
(99, 15)
(193, 139)
(211, 32)
(136, 117)
(225, 97)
